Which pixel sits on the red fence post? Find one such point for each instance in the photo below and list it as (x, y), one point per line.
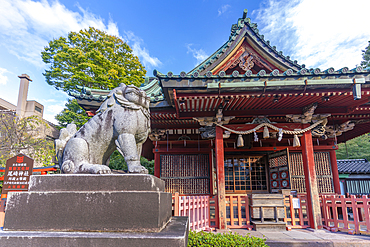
(292, 211)
(366, 212)
(355, 214)
(324, 210)
(247, 219)
(344, 212)
(176, 206)
(335, 211)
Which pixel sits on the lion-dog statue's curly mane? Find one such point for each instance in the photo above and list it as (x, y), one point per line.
(122, 122)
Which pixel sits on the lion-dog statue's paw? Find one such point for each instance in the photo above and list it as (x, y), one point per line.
(95, 169)
(137, 169)
(104, 170)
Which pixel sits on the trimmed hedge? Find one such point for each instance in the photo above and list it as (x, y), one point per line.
(227, 239)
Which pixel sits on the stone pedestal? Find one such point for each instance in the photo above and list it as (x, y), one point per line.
(118, 208)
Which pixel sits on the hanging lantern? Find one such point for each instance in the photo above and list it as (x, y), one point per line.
(296, 142)
(266, 133)
(240, 142)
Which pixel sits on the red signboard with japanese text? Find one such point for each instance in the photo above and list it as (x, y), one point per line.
(17, 173)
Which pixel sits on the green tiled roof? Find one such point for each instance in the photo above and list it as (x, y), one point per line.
(150, 86)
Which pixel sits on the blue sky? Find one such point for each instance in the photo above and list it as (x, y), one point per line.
(175, 35)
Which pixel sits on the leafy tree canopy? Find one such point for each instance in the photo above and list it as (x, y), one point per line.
(91, 58)
(72, 113)
(25, 135)
(366, 57)
(356, 148)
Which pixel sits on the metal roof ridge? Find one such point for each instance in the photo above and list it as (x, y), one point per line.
(359, 70)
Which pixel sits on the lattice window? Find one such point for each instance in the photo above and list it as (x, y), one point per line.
(297, 173)
(243, 173)
(186, 174)
(324, 173)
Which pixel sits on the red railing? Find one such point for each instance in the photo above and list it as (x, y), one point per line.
(237, 211)
(346, 214)
(196, 207)
(296, 212)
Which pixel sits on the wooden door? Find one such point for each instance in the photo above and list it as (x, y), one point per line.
(279, 174)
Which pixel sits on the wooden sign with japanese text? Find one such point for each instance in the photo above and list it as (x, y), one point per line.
(17, 173)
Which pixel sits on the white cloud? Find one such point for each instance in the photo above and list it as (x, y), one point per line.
(3, 78)
(199, 54)
(26, 26)
(50, 118)
(56, 108)
(50, 111)
(223, 9)
(317, 33)
(136, 45)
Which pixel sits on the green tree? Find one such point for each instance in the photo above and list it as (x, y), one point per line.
(366, 57)
(91, 58)
(24, 135)
(72, 113)
(356, 148)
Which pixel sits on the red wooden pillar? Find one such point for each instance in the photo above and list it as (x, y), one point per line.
(219, 148)
(312, 191)
(157, 165)
(334, 169)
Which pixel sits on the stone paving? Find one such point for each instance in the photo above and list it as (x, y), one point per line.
(306, 238)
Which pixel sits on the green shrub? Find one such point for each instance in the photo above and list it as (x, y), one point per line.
(227, 239)
(117, 162)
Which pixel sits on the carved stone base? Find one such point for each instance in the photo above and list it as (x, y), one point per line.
(175, 234)
(115, 208)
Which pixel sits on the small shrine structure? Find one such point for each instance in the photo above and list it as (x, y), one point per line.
(249, 120)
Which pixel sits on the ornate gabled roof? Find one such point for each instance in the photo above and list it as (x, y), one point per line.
(246, 50)
(247, 54)
(354, 166)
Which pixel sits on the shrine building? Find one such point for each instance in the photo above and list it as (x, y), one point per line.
(248, 121)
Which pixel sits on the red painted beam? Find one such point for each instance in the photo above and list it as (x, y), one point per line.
(279, 148)
(181, 150)
(183, 94)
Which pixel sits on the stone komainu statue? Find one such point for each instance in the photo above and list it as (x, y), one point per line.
(122, 122)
